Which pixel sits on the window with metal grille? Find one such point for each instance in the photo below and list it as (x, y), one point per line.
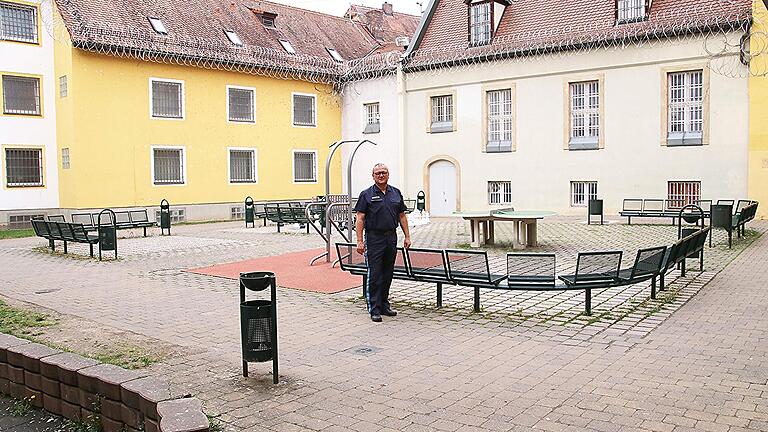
(304, 167)
(18, 22)
(480, 23)
(372, 118)
(304, 110)
(582, 192)
(241, 105)
(499, 192)
(682, 193)
(499, 121)
(242, 166)
(167, 99)
(630, 10)
(237, 212)
(442, 113)
(585, 115)
(23, 167)
(65, 158)
(21, 95)
(63, 90)
(686, 108)
(22, 221)
(168, 166)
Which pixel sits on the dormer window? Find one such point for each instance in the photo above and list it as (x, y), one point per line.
(268, 19)
(480, 23)
(335, 54)
(233, 37)
(157, 25)
(628, 11)
(287, 46)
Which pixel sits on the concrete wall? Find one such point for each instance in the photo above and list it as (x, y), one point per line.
(634, 161)
(758, 110)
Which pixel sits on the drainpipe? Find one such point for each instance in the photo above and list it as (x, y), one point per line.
(401, 124)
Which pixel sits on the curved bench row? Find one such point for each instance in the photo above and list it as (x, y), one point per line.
(533, 271)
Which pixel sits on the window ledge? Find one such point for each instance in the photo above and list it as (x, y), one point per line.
(372, 128)
(438, 128)
(583, 144)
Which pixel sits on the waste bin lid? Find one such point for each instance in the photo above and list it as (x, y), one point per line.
(256, 281)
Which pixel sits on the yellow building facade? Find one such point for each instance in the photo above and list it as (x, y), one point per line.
(108, 134)
(758, 109)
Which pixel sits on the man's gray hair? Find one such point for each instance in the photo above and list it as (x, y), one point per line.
(379, 165)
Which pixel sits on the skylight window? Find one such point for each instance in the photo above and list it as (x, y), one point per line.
(233, 37)
(287, 46)
(335, 54)
(158, 26)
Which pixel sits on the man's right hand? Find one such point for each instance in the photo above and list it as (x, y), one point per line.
(360, 248)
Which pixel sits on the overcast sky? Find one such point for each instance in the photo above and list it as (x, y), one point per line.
(338, 7)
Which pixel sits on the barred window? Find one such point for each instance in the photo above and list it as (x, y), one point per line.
(372, 118)
(630, 10)
(65, 158)
(167, 99)
(168, 166)
(686, 108)
(63, 86)
(682, 193)
(18, 22)
(23, 167)
(499, 192)
(442, 113)
(304, 167)
(21, 95)
(242, 166)
(582, 192)
(480, 23)
(241, 105)
(304, 110)
(585, 115)
(499, 121)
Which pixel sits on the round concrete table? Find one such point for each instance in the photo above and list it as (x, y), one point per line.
(524, 228)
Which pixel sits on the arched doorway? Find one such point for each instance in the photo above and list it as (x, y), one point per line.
(442, 188)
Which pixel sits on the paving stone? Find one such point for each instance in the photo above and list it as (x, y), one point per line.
(182, 415)
(64, 367)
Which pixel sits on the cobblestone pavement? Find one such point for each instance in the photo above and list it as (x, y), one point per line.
(13, 419)
(692, 360)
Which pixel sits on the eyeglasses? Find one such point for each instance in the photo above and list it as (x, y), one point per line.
(381, 173)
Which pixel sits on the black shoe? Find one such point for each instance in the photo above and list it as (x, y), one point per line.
(389, 312)
(376, 318)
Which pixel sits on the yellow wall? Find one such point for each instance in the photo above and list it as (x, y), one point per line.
(107, 126)
(758, 110)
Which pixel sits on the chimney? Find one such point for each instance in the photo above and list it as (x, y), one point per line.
(387, 9)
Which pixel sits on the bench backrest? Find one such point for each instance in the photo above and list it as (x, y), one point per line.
(597, 266)
(531, 269)
(55, 230)
(138, 216)
(741, 205)
(103, 218)
(78, 232)
(40, 227)
(653, 206)
(259, 210)
(632, 204)
(725, 202)
(82, 218)
(122, 218)
(468, 265)
(66, 230)
(427, 263)
(56, 218)
(352, 261)
(648, 262)
(705, 205)
(722, 216)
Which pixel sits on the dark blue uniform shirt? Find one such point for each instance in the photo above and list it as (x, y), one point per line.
(382, 211)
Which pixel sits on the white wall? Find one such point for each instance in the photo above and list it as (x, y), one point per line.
(384, 91)
(29, 131)
(633, 162)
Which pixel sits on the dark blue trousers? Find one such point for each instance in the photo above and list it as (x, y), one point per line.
(380, 253)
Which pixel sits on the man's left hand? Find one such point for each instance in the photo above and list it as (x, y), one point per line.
(407, 242)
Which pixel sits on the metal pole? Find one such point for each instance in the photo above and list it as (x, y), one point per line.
(349, 186)
(335, 146)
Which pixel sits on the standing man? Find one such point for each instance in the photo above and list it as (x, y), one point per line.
(380, 208)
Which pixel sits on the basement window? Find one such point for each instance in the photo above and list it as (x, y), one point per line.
(233, 37)
(157, 25)
(287, 46)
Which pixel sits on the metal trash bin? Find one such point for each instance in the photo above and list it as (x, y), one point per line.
(258, 321)
(165, 217)
(594, 208)
(421, 201)
(249, 212)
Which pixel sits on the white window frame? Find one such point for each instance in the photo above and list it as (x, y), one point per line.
(253, 104)
(183, 99)
(628, 11)
(158, 25)
(442, 126)
(287, 46)
(688, 136)
(500, 146)
(255, 172)
(589, 113)
(314, 108)
(293, 166)
(371, 128)
(504, 192)
(233, 37)
(478, 29)
(587, 192)
(183, 164)
(35, 19)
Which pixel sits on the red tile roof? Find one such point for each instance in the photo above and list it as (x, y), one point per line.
(538, 26)
(384, 27)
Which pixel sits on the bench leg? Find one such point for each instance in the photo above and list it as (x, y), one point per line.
(477, 299)
(653, 289)
(629, 220)
(439, 295)
(145, 231)
(91, 245)
(701, 260)
(278, 226)
(245, 368)
(65, 246)
(661, 281)
(730, 239)
(588, 301)
(52, 245)
(265, 221)
(682, 268)
(710, 237)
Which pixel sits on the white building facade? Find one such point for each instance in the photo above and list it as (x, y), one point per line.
(29, 159)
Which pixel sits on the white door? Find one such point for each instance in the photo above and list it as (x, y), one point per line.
(442, 188)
